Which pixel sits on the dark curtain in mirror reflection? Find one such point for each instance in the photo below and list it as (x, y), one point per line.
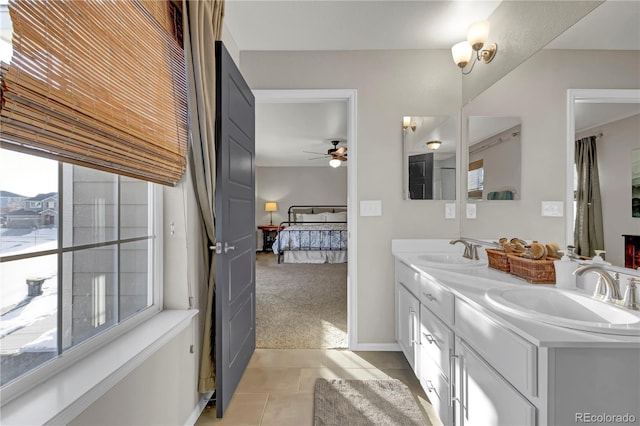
(589, 230)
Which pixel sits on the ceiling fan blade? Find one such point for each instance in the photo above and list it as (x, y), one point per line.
(318, 158)
(313, 152)
(341, 151)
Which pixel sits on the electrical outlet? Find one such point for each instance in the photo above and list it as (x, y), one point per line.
(471, 211)
(371, 208)
(450, 211)
(552, 208)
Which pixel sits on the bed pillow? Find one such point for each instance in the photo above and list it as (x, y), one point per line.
(302, 217)
(336, 217)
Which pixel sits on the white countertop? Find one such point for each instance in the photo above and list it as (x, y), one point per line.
(471, 284)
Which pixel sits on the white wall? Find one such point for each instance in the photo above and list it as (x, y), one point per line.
(520, 29)
(159, 392)
(390, 85)
(537, 92)
(614, 167)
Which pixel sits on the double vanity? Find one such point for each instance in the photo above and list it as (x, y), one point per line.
(492, 349)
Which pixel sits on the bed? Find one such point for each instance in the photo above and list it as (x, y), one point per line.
(313, 234)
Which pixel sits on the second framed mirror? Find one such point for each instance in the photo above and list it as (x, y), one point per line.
(494, 154)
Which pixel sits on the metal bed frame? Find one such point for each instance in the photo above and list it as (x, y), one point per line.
(310, 209)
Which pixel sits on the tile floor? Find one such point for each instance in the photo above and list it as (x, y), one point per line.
(277, 387)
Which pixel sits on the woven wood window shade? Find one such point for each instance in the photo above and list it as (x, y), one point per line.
(97, 83)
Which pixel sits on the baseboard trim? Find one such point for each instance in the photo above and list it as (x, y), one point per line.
(378, 347)
(199, 408)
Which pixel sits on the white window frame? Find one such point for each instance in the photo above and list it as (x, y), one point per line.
(72, 356)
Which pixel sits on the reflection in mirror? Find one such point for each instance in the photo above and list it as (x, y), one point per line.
(609, 128)
(494, 166)
(429, 158)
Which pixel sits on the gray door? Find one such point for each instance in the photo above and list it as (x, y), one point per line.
(235, 303)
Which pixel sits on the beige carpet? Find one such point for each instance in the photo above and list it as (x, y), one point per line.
(300, 306)
(365, 403)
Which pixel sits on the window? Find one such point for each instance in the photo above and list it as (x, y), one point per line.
(475, 180)
(72, 272)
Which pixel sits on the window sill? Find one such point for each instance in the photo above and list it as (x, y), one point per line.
(67, 394)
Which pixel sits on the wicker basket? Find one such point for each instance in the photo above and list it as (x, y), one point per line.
(534, 271)
(498, 260)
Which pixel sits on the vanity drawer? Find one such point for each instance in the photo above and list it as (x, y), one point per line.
(436, 340)
(512, 356)
(408, 278)
(437, 298)
(436, 386)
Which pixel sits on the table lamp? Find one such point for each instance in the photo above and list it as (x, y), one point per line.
(270, 206)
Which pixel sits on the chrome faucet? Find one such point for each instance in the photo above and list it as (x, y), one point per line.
(611, 284)
(470, 250)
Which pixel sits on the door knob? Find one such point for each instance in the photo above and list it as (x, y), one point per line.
(227, 247)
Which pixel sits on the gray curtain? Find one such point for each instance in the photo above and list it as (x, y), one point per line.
(202, 27)
(588, 232)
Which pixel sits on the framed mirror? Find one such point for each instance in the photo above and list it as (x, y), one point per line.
(429, 157)
(494, 158)
(609, 120)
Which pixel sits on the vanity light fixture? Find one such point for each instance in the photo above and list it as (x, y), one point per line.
(406, 123)
(334, 163)
(433, 145)
(476, 39)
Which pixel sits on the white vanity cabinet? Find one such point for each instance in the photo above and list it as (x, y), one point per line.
(481, 367)
(482, 397)
(407, 314)
(447, 339)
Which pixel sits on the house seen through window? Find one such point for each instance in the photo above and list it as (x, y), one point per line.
(76, 257)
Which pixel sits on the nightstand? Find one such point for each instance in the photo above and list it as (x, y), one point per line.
(269, 233)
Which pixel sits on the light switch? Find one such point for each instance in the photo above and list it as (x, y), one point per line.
(471, 211)
(370, 208)
(552, 208)
(450, 210)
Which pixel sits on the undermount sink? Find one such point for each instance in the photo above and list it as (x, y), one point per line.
(565, 308)
(447, 260)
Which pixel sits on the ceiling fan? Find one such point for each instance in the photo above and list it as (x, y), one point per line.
(335, 153)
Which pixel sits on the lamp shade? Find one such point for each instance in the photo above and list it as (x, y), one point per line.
(461, 53)
(406, 121)
(477, 34)
(270, 206)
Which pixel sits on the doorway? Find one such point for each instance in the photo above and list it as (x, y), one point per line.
(347, 96)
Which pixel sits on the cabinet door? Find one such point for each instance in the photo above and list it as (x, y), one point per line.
(483, 397)
(408, 324)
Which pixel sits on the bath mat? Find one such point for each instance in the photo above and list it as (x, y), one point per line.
(365, 403)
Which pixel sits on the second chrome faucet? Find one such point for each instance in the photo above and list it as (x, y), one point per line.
(470, 249)
(611, 291)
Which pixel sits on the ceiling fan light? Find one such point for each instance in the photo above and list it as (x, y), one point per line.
(334, 162)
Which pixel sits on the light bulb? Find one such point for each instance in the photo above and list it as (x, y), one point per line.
(334, 163)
